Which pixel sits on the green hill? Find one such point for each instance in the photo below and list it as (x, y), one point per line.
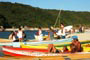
(15, 14)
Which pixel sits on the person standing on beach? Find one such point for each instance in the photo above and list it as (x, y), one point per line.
(12, 36)
(61, 33)
(51, 33)
(81, 29)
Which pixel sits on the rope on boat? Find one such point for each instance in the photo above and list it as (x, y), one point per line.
(57, 19)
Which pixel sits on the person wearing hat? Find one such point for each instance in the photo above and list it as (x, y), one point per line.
(75, 45)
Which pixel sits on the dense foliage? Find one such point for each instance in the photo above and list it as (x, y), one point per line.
(15, 14)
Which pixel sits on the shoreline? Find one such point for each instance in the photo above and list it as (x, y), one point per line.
(16, 29)
(81, 36)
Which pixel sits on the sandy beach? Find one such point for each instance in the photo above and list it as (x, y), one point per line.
(62, 57)
(5, 40)
(82, 36)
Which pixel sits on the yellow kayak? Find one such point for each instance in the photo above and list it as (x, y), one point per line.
(59, 44)
(85, 47)
(33, 46)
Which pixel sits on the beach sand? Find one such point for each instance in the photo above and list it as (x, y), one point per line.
(62, 57)
(5, 40)
(81, 36)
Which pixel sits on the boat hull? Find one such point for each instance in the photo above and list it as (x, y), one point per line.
(8, 50)
(27, 52)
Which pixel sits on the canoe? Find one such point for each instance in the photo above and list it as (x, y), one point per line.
(9, 50)
(58, 44)
(24, 49)
(33, 46)
(12, 51)
(85, 47)
(44, 43)
(40, 42)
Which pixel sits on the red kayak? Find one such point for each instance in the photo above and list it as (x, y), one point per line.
(14, 51)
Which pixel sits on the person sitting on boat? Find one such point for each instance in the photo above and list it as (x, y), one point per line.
(61, 33)
(20, 35)
(75, 45)
(52, 49)
(39, 35)
(12, 36)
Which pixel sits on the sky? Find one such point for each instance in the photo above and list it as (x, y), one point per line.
(73, 5)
